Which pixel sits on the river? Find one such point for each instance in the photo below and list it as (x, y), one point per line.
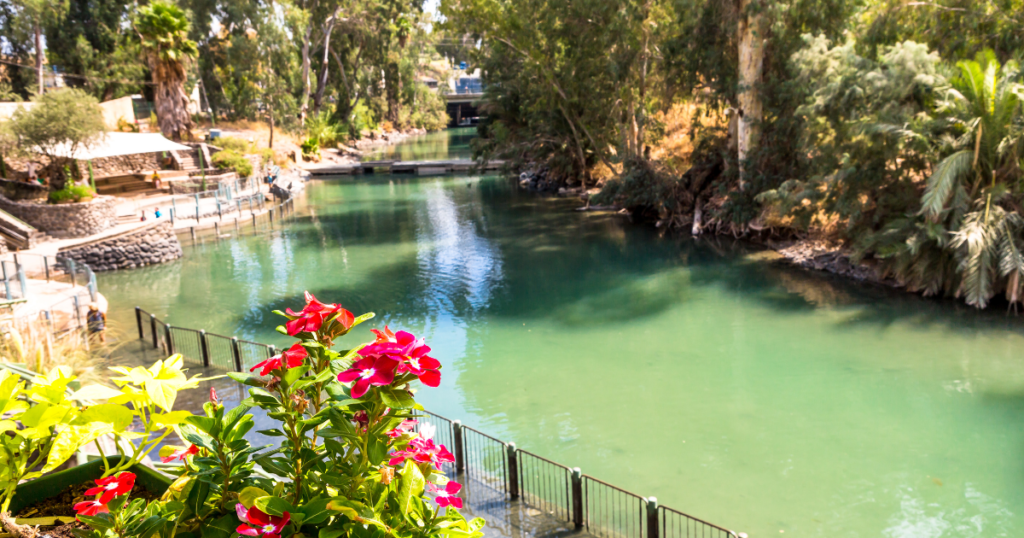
(763, 398)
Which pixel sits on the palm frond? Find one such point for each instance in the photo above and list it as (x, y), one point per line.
(948, 176)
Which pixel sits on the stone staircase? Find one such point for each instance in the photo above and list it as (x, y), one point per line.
(19, 234)
(127, 185)
(188, 160)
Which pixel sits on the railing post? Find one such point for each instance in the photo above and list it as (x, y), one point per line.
(205, 348)
(78, 311)
(652, 517)
(46, 266)
(577, 497)
(152, 327)
(138, 321)
(273, 350)
(170, 340)
(71, 267)
(23, 282)
(236, 351)
(92, 284)
(460, 454)
(513, 471)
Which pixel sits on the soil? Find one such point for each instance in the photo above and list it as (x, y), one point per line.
(63, 505)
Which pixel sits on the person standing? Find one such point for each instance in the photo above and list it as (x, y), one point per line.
(96, 321)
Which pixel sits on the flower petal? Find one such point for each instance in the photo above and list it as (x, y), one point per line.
(430, 378)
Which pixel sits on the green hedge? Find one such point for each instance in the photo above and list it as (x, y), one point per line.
(232, 159)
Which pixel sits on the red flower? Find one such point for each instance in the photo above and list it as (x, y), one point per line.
(256, 523)
(377, 371)
(313, 316)
(447, 496)
(112, 486)
(402, 429)
(180, 454)
(410, 350)
(292, 358)
(423, 450)
(213, 395)
(90, 508)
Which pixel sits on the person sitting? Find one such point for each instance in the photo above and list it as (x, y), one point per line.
(157, 213)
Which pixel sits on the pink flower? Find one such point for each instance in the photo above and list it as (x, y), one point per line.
(405, 427)
(422, 450)
(213, 395)
(256, 523)
(313, 316)
(447, 495)
(292, 358)
(410, 350)
(180, 454)
(376, 371)
(90, 508)
(112, 486)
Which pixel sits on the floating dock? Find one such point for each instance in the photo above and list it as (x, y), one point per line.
(418, 168)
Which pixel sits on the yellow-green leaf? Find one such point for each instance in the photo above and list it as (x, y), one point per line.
(95, 392)
(173, 418)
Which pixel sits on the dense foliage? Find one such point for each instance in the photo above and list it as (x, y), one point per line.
(362, 63)
(352, 462)
(891, 126)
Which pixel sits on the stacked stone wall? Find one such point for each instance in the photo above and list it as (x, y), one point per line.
(65, 220)
(148, 246)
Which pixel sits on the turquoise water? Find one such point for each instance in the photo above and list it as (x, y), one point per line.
(756, 396)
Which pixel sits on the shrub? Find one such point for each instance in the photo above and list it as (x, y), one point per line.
(350, 462)
(232, 159)
(235, 144)
(71, 192)
(266, 155)
(311, 148)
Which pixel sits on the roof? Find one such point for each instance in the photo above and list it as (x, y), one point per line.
(114, 144)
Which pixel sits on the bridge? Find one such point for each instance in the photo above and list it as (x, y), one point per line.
(419, 168)
(462, 108)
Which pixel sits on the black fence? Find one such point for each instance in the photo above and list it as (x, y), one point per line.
(554, 489)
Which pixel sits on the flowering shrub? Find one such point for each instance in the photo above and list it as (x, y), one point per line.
(349, 463)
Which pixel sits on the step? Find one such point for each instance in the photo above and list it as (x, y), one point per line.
(118, 180)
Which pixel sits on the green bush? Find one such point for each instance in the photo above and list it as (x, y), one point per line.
(71, 192)
(266, 155)
(311, 148)
(232, 159)
(235, 144)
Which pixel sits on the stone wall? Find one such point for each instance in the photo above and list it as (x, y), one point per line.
(123, 165)
(65, 220)
(151, 245)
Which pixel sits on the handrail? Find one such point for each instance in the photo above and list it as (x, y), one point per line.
(635, 516)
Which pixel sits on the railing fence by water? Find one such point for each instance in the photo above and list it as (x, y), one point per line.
(562, 492)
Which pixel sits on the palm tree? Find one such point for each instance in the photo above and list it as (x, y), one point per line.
(975, 191)
(163, 29)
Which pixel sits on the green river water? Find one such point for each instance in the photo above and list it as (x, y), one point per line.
(763, 398)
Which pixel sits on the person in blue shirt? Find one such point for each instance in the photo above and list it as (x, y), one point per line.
(157, 213)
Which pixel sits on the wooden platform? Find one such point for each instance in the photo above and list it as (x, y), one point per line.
(418, 168)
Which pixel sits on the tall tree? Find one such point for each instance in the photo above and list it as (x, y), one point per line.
(163, 30)
(95, 49)
(36, 12)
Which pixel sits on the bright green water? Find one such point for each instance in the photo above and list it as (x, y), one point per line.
(761, 398)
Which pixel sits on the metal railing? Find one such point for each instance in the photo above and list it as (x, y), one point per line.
(552, 488)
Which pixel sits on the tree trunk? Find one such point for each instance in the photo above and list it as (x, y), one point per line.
(750, 33)
(39, 55)
(270, 110)
(170, 99)
(305, 75)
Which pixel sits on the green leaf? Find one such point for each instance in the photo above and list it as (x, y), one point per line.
(222, 527)
(274, 506)
(246, 379)
(411, 486)
(293, 375)
(396, 398)
(249, 495)
(118, 416)
(315, 511)
(197, 497)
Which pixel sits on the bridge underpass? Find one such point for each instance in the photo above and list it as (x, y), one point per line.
(462, 109)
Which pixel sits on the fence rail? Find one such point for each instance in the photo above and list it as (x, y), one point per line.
(552, 488)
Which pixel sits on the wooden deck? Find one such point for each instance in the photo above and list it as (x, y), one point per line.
(418, 168)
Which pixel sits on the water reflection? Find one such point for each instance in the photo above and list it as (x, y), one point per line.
(750, 393)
